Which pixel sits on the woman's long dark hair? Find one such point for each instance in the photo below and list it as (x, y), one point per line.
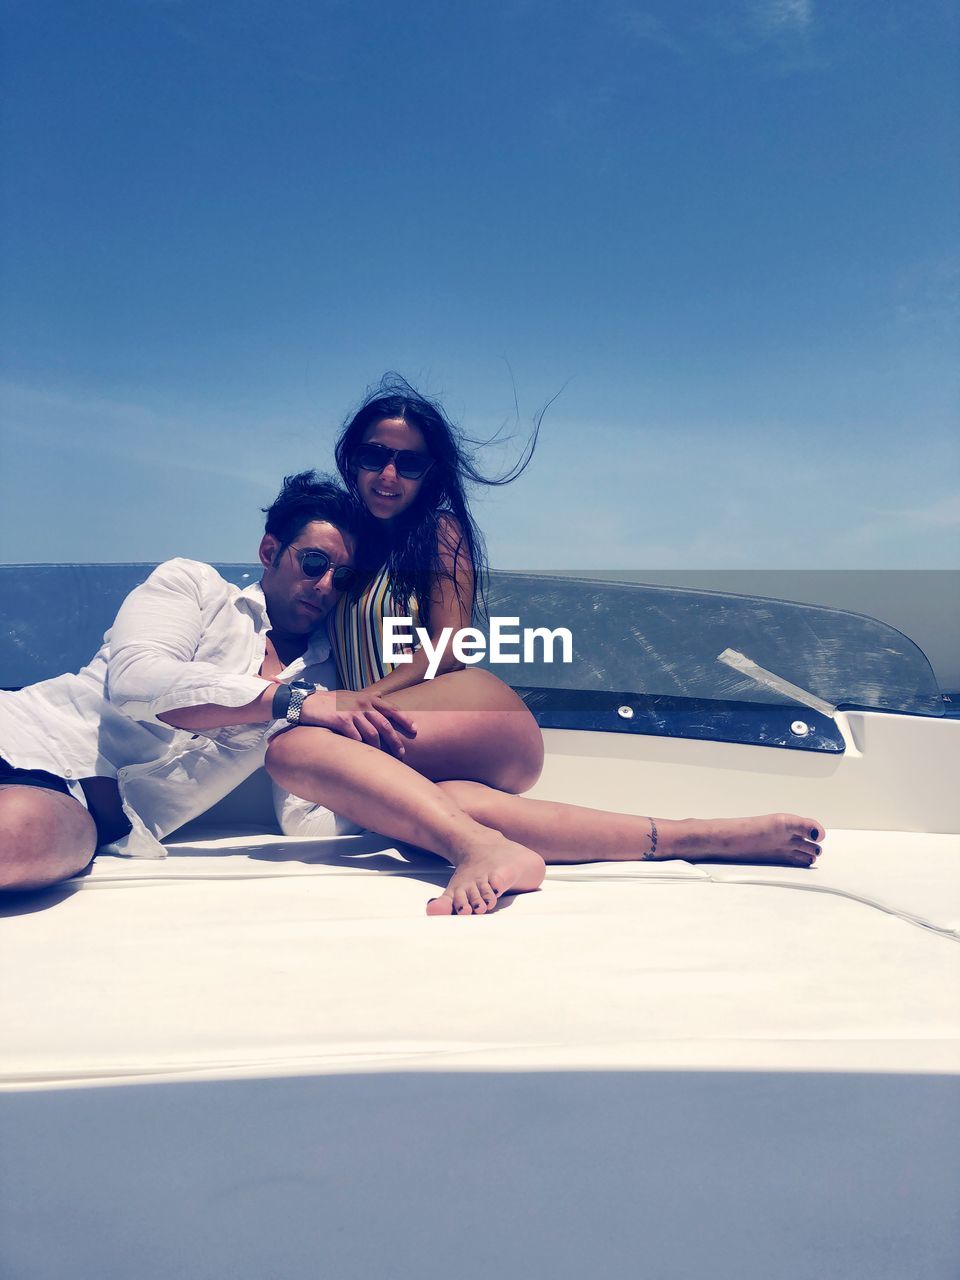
(410, 548)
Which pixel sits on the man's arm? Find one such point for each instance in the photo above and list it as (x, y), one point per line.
(152, 668)
(354, 715)
(213, 716)
(154, 676)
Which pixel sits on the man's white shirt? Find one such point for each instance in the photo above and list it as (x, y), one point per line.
(185, 637)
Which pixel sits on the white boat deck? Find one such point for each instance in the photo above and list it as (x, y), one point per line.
(259, 955)
(258, 1057)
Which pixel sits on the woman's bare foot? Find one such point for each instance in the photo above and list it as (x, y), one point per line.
(497, 867)
(783, 839)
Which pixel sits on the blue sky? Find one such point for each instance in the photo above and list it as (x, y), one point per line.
(727, 230)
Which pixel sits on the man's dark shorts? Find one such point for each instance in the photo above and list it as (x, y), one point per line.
(31, 778)
(104, 808)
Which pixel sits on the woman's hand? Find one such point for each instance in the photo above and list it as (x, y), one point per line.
(363, 716)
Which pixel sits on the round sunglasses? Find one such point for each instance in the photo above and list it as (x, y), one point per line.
(409, 464)
(314, 564)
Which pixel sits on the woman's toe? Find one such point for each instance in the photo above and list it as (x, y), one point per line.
(475, 898)
(461, 903)
(488, 893)
(442, 906)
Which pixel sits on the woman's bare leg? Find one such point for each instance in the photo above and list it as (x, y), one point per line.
(45, 837)
(377, 791)
(472, 725)
(571, 833)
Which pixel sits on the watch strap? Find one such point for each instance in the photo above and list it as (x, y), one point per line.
(281, 701)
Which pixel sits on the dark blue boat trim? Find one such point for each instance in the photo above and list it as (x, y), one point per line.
(658, 715)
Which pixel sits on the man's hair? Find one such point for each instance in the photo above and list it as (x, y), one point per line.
(308, 496)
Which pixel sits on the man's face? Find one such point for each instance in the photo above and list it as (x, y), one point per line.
(297, 604)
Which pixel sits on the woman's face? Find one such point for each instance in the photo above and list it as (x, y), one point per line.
(387, 494)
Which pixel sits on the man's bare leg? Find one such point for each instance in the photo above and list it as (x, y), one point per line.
(571, 833)
(45, 837)
(379, 792)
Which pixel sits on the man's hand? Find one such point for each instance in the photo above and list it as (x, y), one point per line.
(362, 716)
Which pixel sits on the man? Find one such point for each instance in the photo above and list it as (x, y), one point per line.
(192, 685)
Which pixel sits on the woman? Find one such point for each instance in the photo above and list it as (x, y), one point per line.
(406, 465)
(424, 558)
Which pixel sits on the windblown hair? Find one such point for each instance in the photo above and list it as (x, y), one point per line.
(440, 517)
(308, 496)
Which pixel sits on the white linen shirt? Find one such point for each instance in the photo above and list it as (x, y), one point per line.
(185, 637)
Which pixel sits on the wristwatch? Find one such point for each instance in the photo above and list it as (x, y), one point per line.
(289, 699)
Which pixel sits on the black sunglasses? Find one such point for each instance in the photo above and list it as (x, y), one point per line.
(409, 464)
(314, 564)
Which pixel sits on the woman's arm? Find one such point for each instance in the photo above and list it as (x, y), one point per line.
(451, 603)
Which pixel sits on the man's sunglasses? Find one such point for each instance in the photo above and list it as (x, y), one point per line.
(409, 464)
(314, 564)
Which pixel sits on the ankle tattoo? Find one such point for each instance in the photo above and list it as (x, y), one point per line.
(652, 851)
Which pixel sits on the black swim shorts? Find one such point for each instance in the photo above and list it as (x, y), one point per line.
(31, 778)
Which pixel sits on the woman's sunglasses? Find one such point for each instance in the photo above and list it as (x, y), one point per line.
(314, 564)
(409, 464)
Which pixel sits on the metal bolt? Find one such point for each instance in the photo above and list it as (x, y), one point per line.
(800, 728)
(625, 713)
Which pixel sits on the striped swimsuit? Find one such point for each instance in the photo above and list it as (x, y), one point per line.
(356, 632)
